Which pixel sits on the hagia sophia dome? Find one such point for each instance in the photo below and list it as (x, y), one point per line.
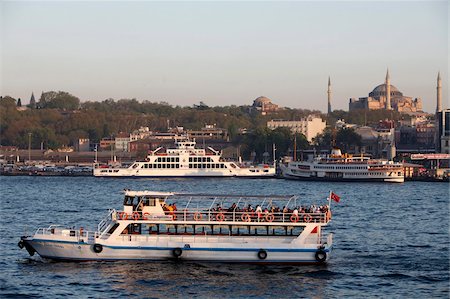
(380, 90)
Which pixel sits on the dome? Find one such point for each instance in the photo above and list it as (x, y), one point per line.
(258, 102)
(380, 90)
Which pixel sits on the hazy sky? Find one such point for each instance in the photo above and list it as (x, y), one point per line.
(224, 53)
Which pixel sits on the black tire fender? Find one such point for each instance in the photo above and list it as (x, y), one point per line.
(97, 248)
(321, 256)
(177, 252)
(262, 254)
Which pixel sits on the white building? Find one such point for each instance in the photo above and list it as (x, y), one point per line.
(310, 126)
(121, 142)
(141, 133)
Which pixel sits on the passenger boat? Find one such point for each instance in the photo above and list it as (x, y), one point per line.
(208, 228)
(185, 161)
(339, 167)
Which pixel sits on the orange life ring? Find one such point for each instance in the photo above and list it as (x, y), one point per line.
(307, 218)
(220, 217)
(197, 216)
(270, 217)
(136, 216)
(246, 217)
(328, 215)
(81, 231)
(123, 216)
(144, 216)
(294, 218)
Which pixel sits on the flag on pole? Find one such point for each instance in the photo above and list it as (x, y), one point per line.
(335, 197)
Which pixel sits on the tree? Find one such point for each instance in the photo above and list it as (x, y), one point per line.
(19, 102)
(59, 100)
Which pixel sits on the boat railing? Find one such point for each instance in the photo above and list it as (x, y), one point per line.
(106, 221)
(225, 216)
(80, 235)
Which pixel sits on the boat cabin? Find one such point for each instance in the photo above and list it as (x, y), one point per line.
(145, 203)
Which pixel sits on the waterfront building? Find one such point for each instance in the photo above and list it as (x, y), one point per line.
(208, 132)
(82, 145)
(379, 142)
(310, 126)
(387, 96)
(443, 130)
(141, 133)
(121, 142)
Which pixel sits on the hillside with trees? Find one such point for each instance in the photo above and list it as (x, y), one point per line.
(58, 119)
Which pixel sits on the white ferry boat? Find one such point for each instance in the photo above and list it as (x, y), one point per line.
(240, 228)
(339, 167)
(185, 161)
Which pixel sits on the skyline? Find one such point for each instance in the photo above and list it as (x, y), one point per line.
(224, 53)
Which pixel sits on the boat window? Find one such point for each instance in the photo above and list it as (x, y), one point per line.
(128, 201)
(126, 230)
(136, 228)
(135, 165)
(112, 229)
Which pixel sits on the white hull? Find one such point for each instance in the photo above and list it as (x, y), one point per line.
(241, 172)
(290, 172)
(193, 249)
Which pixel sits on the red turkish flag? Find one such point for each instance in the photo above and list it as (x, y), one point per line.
(335, 197)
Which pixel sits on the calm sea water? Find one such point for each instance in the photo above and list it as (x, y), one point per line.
(391, 241)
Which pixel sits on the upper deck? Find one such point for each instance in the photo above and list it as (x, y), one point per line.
(188, 208)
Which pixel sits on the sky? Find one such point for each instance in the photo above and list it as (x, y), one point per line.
(224, 53)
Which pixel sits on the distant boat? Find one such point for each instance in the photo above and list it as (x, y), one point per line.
(340, 167)
(204, 227)
(185, 161)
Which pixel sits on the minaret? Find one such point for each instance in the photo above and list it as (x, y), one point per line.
(439, 93)
(32, 101)
(388, 91)
(329, 95)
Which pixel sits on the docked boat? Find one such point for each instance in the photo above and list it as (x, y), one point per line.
(209, 228)
(340, 167)
(185, 161)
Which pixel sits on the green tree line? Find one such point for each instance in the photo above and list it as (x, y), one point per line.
(59, 119)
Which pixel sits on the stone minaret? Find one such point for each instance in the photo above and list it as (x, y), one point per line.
(388, 91)
(329, 95)
(439, 93)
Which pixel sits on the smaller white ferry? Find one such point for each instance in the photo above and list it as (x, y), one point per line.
(185, 161)
(340, 167)
(196, 227)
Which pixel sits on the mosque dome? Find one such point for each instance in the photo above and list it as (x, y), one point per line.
(258, 102)
(380, 90)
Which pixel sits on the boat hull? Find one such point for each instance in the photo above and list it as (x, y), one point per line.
(219, 252)
(330, 179)
(125, 173)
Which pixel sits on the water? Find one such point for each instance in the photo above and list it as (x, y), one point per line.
(391, 240)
